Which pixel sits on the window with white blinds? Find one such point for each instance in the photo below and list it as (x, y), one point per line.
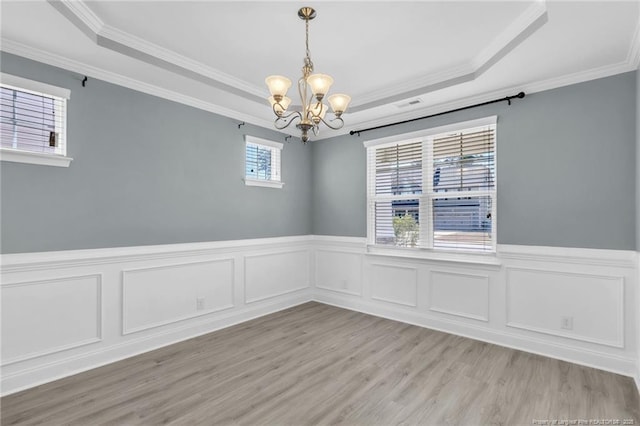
(32, 116)
(262, 162)
(434, 189)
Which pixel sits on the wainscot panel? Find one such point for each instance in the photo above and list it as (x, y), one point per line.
(582, 306)
(67, 312)
(459, 294)
(164, 294)
(269, 275)
(50, 315)
(339, 271)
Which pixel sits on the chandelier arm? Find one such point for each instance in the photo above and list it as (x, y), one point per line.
(280, 115)
(339, 126)
(286, 123)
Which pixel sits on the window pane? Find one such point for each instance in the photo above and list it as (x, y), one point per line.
(29, 121)
(397, 222)
(258, 162)
(464, 161)
(462, 223)
(398, 169)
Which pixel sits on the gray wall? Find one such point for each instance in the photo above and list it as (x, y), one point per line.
(566, 165)
(145, 171)
(150, 171)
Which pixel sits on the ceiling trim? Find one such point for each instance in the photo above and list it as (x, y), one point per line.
(633, 56)
(528, 88)
(59, 61)
(534, 17)
(81, 16)
(28, 52)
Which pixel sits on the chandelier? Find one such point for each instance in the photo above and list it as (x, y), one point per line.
(312, 89)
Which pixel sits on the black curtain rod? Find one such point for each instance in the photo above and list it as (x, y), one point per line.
(507, 99)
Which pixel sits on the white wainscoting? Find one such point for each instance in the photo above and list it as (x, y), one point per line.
(339, 271)
(268, 275)
(66, 312)
(164, 294)
(446, 287)
(517, 298)
(50, 315)
(595, 304)
(394, 284)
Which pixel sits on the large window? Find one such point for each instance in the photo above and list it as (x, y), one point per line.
(434, 189)
(32, 121)
(262, 162)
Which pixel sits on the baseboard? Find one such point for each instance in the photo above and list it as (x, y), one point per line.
(577, 355)
(69, 366)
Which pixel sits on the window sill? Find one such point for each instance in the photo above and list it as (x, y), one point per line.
(265, 183)
(26, 157)
(490, 259)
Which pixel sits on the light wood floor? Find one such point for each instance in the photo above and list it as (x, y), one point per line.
(317, 364)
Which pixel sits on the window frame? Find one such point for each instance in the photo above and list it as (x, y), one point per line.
(276, 150)
(38, 88)
(428, 195)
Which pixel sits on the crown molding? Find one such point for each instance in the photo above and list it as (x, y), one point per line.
(528, 88)
(28, 52)
(579, 77)
(80, 15)
(534, 17)
(633, 56)
(59, 61)
(515, 33)
(109, 37)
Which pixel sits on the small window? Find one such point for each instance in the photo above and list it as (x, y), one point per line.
(33, 121)
(434, 189)
(262, 162)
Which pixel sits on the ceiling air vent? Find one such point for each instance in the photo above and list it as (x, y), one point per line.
(409, 103)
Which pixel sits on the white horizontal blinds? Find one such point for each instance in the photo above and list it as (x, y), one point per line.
(463, 189)
(398, 169)
(258, 162)
(397, 182)
(464, 161)
(262, 162)
(32, 121)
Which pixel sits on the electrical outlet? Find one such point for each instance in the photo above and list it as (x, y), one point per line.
(199, 303)
(343, 284)
(567, 323)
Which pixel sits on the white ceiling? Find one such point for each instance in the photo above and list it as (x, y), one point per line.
(215, 55)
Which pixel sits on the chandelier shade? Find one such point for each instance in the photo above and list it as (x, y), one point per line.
(339, 103)
(312, 89)
(278, 85)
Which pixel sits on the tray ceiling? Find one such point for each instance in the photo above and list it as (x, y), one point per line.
(215, 55)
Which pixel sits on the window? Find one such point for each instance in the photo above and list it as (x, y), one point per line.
(262, 162)
(33, 122)
(434, 189)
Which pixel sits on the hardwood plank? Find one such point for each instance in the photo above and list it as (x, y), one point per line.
(317, 364)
